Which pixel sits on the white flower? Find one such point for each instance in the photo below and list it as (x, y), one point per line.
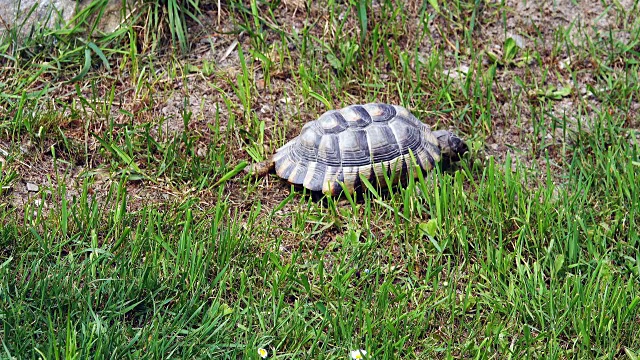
(263, 353)
(358, 354)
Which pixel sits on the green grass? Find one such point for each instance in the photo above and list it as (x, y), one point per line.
(143, 241)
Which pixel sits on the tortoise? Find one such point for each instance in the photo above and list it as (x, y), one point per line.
(360, 140)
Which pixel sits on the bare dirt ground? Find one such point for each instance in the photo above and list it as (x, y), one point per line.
(280, 103)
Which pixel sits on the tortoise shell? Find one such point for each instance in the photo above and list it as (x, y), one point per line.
(361, 140)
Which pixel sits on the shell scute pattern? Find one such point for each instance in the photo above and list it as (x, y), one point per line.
(332, 122)
(359, 140)
(407, 136)
(329, 151)
(383, 142)
(380, 112)
(307, 145)
(354, 147)
(356, 116)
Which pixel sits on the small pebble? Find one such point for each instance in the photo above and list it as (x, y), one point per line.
(520, 41)
(265, 109)
(285, 100)
(201, 152)
(32, 187)
(564, 63)
(458, 72)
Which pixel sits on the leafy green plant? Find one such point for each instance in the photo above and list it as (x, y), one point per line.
(7, 175)
(508, 56)
(346, 58)
(551, 92)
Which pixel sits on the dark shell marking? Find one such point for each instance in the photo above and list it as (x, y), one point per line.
(358, 140)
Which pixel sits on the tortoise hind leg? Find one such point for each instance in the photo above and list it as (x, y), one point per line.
(261, 168)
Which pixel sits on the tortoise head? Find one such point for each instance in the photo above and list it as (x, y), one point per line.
(451, 146)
